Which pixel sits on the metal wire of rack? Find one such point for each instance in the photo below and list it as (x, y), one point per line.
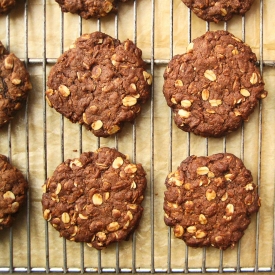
(154, 63)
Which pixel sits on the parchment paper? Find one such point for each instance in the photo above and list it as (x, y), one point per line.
(35, 144)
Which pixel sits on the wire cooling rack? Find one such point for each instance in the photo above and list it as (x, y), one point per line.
(29, 247)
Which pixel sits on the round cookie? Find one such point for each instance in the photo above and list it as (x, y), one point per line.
(95, 198)
(89, 8)
(99, 82)
(209, 200)
(218, 10)
(6, 6)
(14, 84)
(214, 86)
(13, 192)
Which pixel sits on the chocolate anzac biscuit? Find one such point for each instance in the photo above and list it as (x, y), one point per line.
(218, 10)
(14, 84)
(6, 5)
(99, 82)
(214, 86)
(89, 8)
(209, 200)
(13, 192)
(95, 198)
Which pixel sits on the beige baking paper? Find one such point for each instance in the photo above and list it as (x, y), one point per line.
(36, 145)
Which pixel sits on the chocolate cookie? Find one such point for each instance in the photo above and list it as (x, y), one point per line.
(209, 200)
(95, 198)
(13, 189)
(89, 8)
(214, 86)
(6, 6)
(218, 10)
(99, 82)
(14, 84)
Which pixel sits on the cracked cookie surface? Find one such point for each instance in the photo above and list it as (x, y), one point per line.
(209, 200)
(95, 198)
(13, 192)
(14, 85)
(99, 82)
(218, 10)
(214, 86)
(89, 8)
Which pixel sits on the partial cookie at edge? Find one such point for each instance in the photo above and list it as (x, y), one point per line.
(218, 10)
(90, 8)
(13, 192)
(14, 85)
(6, 6)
